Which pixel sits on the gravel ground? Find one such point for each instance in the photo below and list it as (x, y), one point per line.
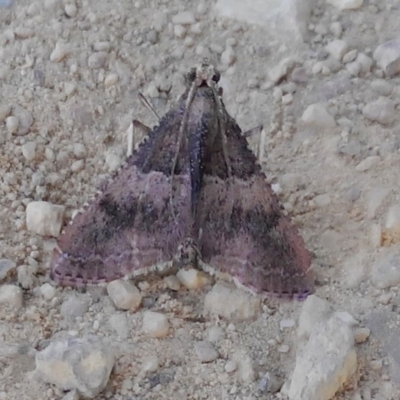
(70, 75)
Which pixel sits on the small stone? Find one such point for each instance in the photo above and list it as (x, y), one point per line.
(350, 56)
(184, 18)
(361, 335)
(179, 31)
(284, 348)
(60, 52)
(98, 60)
(155, 324)
(44, 218)
(78, 364)
(231, 303)
(69, 88)
(205, 352)
(29, 151)
(365, 62)
(79, 150)
(78, 165)
(25, 119)
(6, 267)
(278, 72)
(47, 291)
(387, 57)
(113, 161)
(393, 217)
(119, 323)
(269, 383)
(299, 75)
(346, 317)
(287, 99)
(71, 10)
(230, 366)
(314, 310)
(355, 270)
(228, 56)
(287, 323)
(381, 110)
(26, 276)
(381, 87)
(317, 116)
(11, 296)
(336, 29)
(192, 278)
(215, 334)
(245, 364)
(111, 80)
(172, 283)
(5, 111)
(74, 306)
(385, 271)
(368, 163)
(327, 361)
(337, 49)
(346, 5)
(124, 295)
(376, 365)
(354, 68)
(150, 364)
(12, 124)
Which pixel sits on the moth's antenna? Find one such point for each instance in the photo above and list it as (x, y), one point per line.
(147, 104)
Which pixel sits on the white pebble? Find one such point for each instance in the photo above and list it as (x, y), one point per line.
(283, 348)
(47, 291)
(59, 53)
(192, 278)
(12, 124)
(287, 323)
(44, 218)
(205, 351)
(155, 324)
(98, 60)
(179, 31)
(361, 335)
(29, 150)
(124, 295)
(11, 295)
(71, 10)
(228, 56)
(111, 80)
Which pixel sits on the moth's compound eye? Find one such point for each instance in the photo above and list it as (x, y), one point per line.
(216, 77)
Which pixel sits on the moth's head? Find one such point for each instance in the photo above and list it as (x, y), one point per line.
(204, 74)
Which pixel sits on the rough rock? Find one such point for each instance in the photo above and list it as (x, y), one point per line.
(317, 116)
(337, 49)
(205, 352)
(25, 119)
(368, 163)
(11, 296)
(314, 310)
(76, 364)
(376, 197)
(44, 218)
(192, 278)
(124, 295)
(381, 110)
(387, 57)
(6, 266)
(346, 4)
(74, 306)
(355, 270)
(288, 18)
(231, 303)
(385, 271)
(326, 363)
(155, 324)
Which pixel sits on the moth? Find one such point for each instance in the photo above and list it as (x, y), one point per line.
(192, 193)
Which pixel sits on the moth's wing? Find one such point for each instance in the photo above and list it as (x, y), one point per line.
(242, 228)
(130, 225)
